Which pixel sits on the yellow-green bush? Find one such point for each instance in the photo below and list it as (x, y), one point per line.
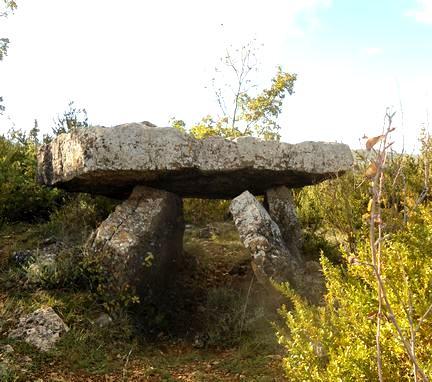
(336, 341)
(203, 211)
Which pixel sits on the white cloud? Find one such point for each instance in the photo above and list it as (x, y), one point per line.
(423, 12)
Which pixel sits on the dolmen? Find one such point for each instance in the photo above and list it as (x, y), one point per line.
(153, 168)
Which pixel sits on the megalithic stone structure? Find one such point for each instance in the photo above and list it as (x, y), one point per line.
(152, 168)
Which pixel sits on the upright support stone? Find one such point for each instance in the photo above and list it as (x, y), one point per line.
(135, 247)
(272, 259)
(263, 238)
(282, 210)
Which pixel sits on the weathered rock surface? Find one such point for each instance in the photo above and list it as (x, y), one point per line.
(271, 257)
(282, 210)
(263, 238)
(111, 161)
(42, 328)
(136, 246)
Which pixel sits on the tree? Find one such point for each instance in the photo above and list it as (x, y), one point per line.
(243, 113)
(72, 118)
(8, 7)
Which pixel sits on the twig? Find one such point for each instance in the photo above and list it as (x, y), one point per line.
(412, 331)
(422, 318)
(124, 372)
(376, 249)
(392, 318)
(246, 304)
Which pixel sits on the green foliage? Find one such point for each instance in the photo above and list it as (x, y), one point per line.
(252, 116)
(243, 112)
(336, 341)
(260, 113)
(73, 118)
(8, 373)
(7, 7)
(78, 216)
(59, 271)
(106, 272)
(318, 214)
(202, 211)
(21, 197)
(337, 210)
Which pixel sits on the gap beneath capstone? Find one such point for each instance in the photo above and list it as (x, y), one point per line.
(138, 246)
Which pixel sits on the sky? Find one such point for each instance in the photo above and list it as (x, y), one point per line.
(131, 60)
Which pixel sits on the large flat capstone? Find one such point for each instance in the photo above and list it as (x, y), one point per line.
(112, 160)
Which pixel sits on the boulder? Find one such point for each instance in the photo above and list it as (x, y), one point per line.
(136, 246)
(282, 210)
(42, 328)
(112, 160)
(272, 259)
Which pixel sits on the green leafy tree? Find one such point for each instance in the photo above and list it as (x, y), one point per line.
(72, 118)
(6, 8)
(244, 111)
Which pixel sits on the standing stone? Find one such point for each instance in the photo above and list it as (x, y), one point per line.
(272, 259)
(135, 248)
(263, 238)
(42, 328)
(282, 210)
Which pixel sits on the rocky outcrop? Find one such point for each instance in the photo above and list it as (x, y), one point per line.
(272, 259)
(111, 161)
(42, 328)
(137, 245)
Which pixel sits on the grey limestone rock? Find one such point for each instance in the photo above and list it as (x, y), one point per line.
(272, 259)
(282, 210)
(137, 245)
(112, 160)
(42, 328)
(263, 238)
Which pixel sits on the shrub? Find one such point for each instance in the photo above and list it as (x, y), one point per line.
(374, 321)
(336, 341)
(202, 211)
(21, 197)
